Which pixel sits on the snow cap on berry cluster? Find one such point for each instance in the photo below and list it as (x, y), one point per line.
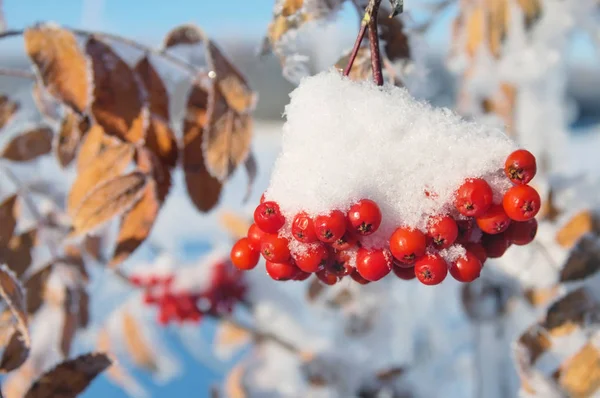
(344, 141)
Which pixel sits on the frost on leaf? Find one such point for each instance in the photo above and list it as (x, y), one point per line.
(203, 189)
(118, 100)
(29, 145)
(61, 65)
(16, 347)
(108, 200)
(160, 138)
(69, 378)
(8, 219)
(137, 223)
(138, 348)
(7, 109)
(48, 106)
(577, 226)
(68, 138)
(183, 34)
(583, 261)
(17, 253)
(108, 164)
(93, 144)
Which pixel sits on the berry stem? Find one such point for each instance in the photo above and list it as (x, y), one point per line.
(359, 38)
(371, 19)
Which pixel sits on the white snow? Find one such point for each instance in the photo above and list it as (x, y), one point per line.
(344, 141)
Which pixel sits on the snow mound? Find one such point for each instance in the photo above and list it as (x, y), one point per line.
(344, 141)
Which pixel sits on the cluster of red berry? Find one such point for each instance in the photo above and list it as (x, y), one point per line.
(226, 287)
(332, 249)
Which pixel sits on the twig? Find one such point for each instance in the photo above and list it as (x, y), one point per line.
(25, 74)
(371, 19)
(259, 335)
(188, 68)
(359, 39)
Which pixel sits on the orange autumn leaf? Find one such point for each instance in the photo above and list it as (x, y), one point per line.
(8, 108)
(61, 65)
(108, 200)
(29, 145)
(136, 345)
(109, 164)
(203, 189)
(18, 345)
(68, 138)
(8, 219)
(93, 144)
(35, 286)
(117, 104)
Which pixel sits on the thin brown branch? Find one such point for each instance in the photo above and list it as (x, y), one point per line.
(359, 39)
(24, 74)
(371, 17)
(260, 335)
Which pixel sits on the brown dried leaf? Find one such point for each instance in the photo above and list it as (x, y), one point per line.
(17, 254)
(390, 374)
(116, 373)
(29, 145)
(135, 344)
(7, 110)
(583, 261)
(540, 296)
(94, 143)
(162, 141)
(183, 34)
(157, 96)
(83, 318)
(68, 139)
(8, 219)
(69, 378)
(13, 296)
(109, 200)
(577, 226)
(230, 338)
(234, 382)
(74, 258)
(61, 65)
(70, 321)
(571, 311)
(93, 246)
(35, 287)
(580, 374)
(136, 224)
(226, 141)
(391, 31)
(361, 68)
(536, 342)
(203, 189)
(118, 105)
(107, 165)
(48, 106)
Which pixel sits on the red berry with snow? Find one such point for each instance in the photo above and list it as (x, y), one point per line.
(303, 228)
(364, 217)
(466, 268)
(494, 221)
(268, 217)
(477, 249)
(521, 202)
(313, 258)
(406, 274)
(255, 236)
(355, 275)
(442, 232)
(474, 197)
(373, 264)
(330, 227)
(431, 269)
(348, 241)
(338, 264)
(520, 166)
(243, 255)
(274, 248)
(522, 233)
(327, 278)
(281, 271)
(495, 245)
(407, 245)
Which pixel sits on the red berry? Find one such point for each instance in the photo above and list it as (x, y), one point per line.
(330, 227)
(400, 264)
(243, 256)
(477, 249)
(474, 197)
(404, 273)
(275, 249)
(136, 280)
(407, 244)
(281, 271)
(348, 241)
(338, 264)
(255, 236)
(373, 264)
(364, 217)
(149, 298)
(431, 269)
(521, 202)
(466, 268)
(495, 245)
(327, 278)
(442, 232)
(465, 230)
(313, 258)
(303, 228)
(357, 278)
(154, 280)
(520, 166)
(522, 233)
(301, 275)
(268, 217)
(494, 221)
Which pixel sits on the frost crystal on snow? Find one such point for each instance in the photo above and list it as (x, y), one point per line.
(344, 141)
